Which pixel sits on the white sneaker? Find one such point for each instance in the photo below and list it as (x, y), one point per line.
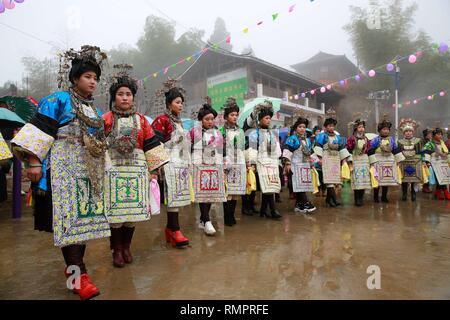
(208, 228)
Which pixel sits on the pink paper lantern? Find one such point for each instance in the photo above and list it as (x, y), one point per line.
(419, 54)
(296, 97)
(9, 4)
(442, 93)
(323, 90)
(329, 87)
(415, 102)
(430, 98)
(412, 59)
(372, 73)
(313, 92)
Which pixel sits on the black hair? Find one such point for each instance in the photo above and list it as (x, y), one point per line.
(173, 94)
(384, 124)
(205, 110)
(122, 82)
(229, 107)
(437, 131)
(317, 128)
(80, 66)
(426, 132)
(299, 121)
(330, 121)
(264, 113)
(357, 123)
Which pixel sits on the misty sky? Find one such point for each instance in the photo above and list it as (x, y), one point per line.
(293, 38)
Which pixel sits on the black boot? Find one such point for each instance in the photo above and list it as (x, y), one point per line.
(376, 193)
(404, 191)
(278, 198)
(245, 205)
(264, 204)
(329, 200)
(274, 214)
(358, 198)
(232, 206)
(361, 197)
(251, 203)
(413, 193)
(117, 247)
(334, 197)
(127, 236)
(384, 193)
(226, 214)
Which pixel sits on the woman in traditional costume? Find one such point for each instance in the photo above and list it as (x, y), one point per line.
(436, 156)
(66, 136)
(427, 136)
(134, 151)
(330, 148)
(384, 155)
(207, 159)
(175, 176)
(359, 145)
(264, 151)
(234, 160)
(412, 166)
(297, 160)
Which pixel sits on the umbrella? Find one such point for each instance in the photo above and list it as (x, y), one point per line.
(9, 119)
(371, 136)
(188, 123)
(150, 120)
(24, 107)
(248, 108)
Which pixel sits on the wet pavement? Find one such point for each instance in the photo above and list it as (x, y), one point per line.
(323, 256)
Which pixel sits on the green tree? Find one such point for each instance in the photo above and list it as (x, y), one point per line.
(40, 75)
(156, 49)
(398, 36)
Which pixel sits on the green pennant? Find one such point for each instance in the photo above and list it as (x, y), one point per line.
(274, 16)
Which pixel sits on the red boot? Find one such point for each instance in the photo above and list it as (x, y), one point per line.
(447, 194)
(127, 236)
(117, 247)
(439, 194)
(87, 289)
(176, 238)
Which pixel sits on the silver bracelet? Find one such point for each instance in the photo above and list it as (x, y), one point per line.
(35, 165)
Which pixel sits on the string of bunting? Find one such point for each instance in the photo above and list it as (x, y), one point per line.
(215, 46)
(8, 4)
(442, 49)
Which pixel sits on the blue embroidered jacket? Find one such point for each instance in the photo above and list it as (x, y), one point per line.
(53, 112)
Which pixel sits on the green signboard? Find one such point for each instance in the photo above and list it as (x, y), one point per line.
(231, 84)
